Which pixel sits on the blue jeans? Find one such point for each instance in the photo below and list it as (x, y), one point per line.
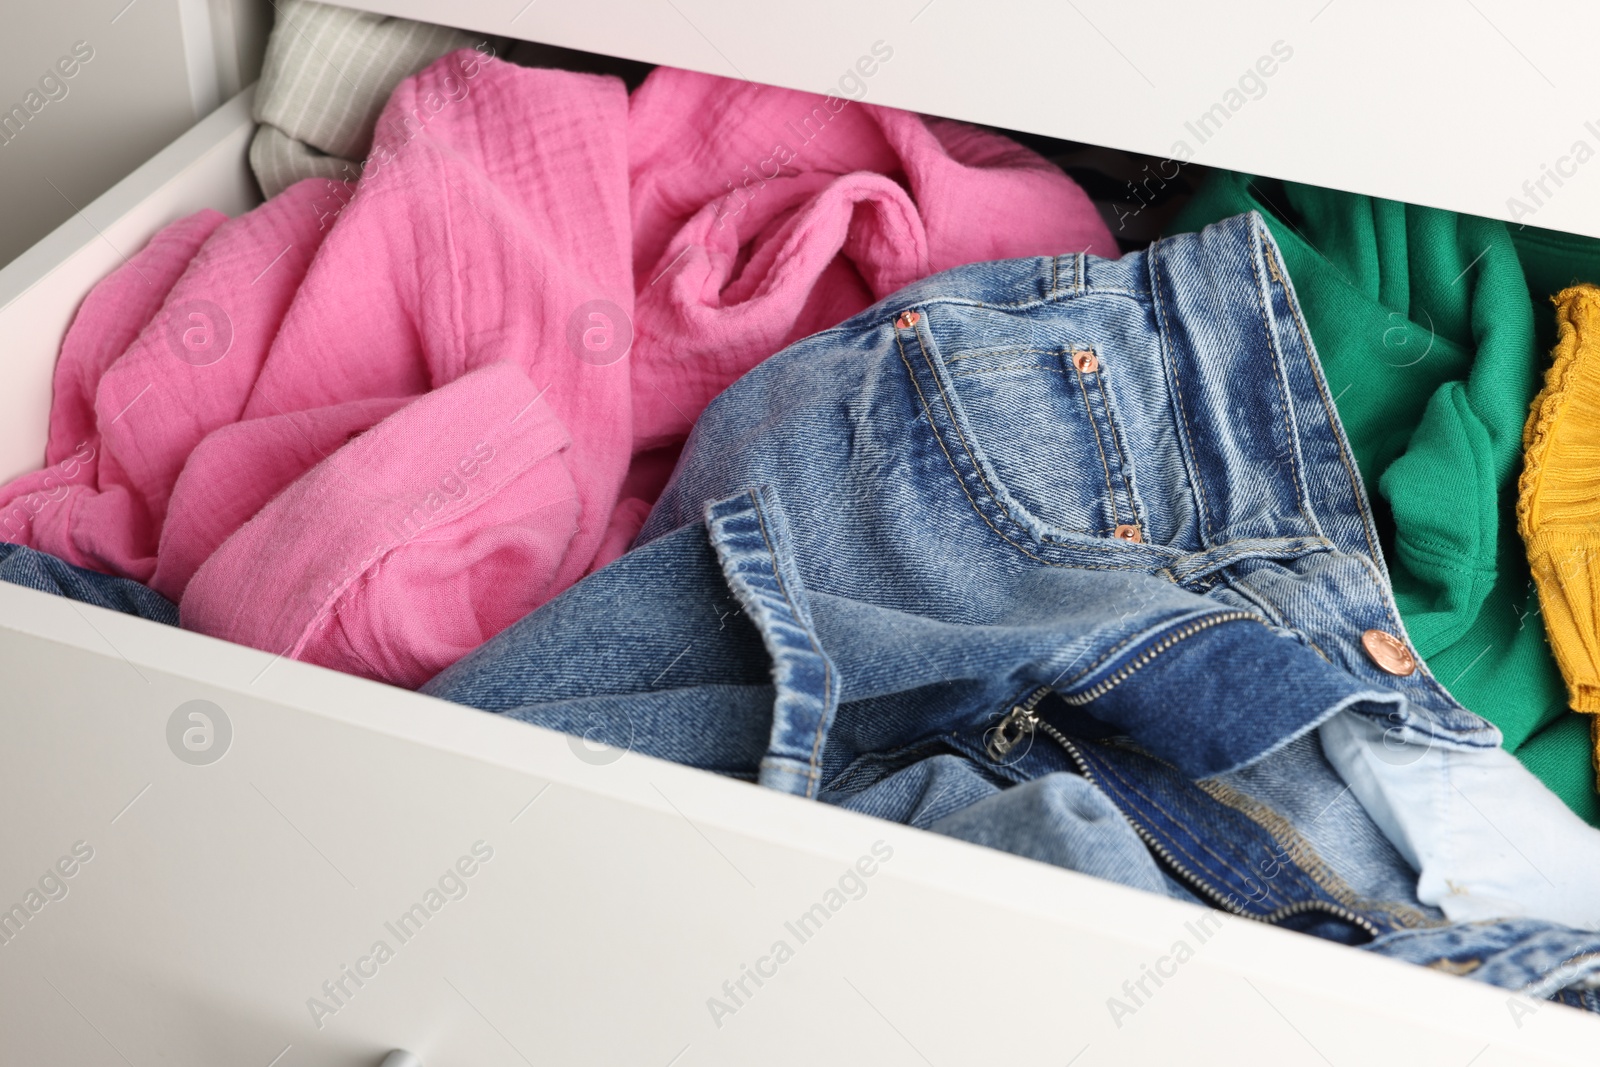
(21, 565)
(1066, 556)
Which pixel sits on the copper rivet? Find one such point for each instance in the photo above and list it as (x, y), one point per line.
(1388, 652)
(1087, 363)
(1126, 532)
(908, 319)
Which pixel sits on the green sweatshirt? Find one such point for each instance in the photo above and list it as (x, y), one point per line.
(1425, 327)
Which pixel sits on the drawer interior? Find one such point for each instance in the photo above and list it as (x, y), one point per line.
(237, 890)
(207, 167)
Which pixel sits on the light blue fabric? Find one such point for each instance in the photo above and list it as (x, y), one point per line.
(1026, 543)
(1489, 839)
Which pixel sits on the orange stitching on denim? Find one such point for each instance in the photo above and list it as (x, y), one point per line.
(1383, 595)
(1272, 265)
(939, 437)
(960, 434)
(1363, 506)
(1138, 296)
(1298, 850)
(1305, 856)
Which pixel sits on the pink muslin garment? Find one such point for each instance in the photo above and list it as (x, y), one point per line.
(370, 426)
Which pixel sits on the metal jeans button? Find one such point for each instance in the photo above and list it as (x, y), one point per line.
(1389, 652)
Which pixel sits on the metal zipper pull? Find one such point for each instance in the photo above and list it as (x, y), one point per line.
(1018, 723)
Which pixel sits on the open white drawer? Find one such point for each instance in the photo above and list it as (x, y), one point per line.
(212, 907)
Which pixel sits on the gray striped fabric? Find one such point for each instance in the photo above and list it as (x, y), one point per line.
(328, 72)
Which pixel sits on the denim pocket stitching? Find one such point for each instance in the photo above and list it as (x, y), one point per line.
(939, 437)
(1009, 366)
(976, 466)
(961, 479)
(1116, 438)
(977, 352)
(1094, 427)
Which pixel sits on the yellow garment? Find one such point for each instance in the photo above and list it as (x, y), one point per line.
(1558, 509)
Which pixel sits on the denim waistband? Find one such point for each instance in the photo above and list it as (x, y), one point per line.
(1261, 451)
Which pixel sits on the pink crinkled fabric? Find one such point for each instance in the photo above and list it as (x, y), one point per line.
(369, 426)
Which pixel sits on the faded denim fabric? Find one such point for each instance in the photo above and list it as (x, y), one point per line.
(1028, 544)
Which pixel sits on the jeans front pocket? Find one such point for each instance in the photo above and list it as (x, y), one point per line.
(1030, 403)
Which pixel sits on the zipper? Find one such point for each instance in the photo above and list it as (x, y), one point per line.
(1195, 881)
(1019, 723)
(1023, 718)
(1123, 673)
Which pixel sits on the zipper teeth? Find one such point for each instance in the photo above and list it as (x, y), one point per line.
(1024, 713)
(1033, 700)
(1023, 716)
(1105, 685)
(1194, 880)
(1300, 908)
(1144, 835)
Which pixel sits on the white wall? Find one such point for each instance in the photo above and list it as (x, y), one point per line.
(156, 66)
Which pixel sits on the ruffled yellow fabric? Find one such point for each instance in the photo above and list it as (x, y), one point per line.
(1558, 506)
